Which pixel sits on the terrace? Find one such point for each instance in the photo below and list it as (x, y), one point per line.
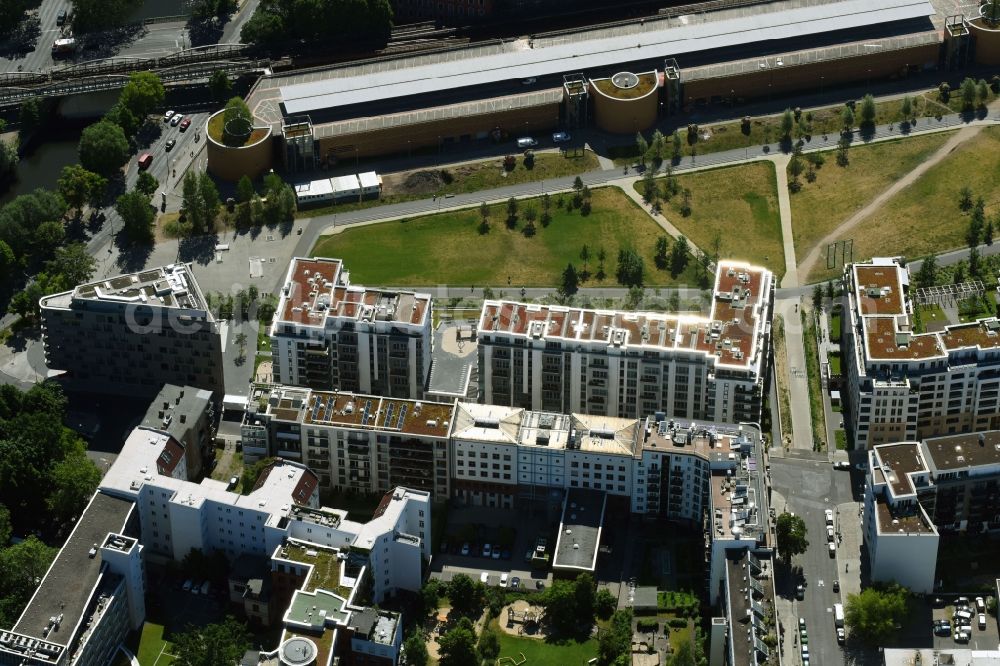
(897, 462)
(962, 451)
(326, 569)
(171, 286)
(626, 85)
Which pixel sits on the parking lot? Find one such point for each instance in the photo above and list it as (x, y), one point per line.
(476, 535)
(985, 638)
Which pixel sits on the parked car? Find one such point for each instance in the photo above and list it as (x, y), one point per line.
(61, 17)
(842, 464)
(167, 116)
(206, 587)
(526, 142)
(465, 548)
(503, 580)
(528, 81)
(527, 555)
(484, 578)
(176, 120)
(942, 627)
(829, 533)
(168, 146)
(841, 636)
(185, 124)
(487, 550)
(187, 585)
(982, 621)
(980, 604)
(496, 554)
(560, 137)
(515, 583)
(962, 602)
(961, 637)
(800, 592)
(836, 586)
(195, 588)
(829, 516)
(833, 549)
(802, 621)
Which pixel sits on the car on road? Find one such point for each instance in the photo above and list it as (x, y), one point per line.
(942, 627)
(465, 548)
(961, 637)
(829, 533)
(496, 553)
(61, 17)
(515, 583)
(836, 586)
(169, 145)
(145, 160)
(802, 623)
(176, 120)
(833, 549)
(503, 580)
(800, 592)
(560, 137)
(487, 551)
(980, 604)
(185, 124)
(841, 636)
(526, 142)
(829, 516)
(484, 577)
(842, 464)
(167, 116)
(982, 621)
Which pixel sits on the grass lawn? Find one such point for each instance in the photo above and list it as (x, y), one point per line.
(736, 205)
(815, 385)
(447, 248)
(925, 218)
(541, 653)
(472, 178)
(834, 358)
(781, 367)
(929, 314)
(841, 440)
(971, 309)
(835, 325)
(151, 645)
(839, 192)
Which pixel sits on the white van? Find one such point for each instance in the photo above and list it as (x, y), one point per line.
(838, 615)
(829, 516)
(526, 142)
(964, 615)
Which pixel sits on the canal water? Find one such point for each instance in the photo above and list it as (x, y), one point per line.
(41, 165)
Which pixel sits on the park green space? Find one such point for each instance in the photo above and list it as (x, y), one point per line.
(474, 177)
(736, 205)
(839, 192)
(539, 652)
(151, 645)
(447, 248)
(925, 218)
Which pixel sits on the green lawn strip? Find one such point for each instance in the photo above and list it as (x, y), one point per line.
(543, 653)
(835, 325)
(971, 309)
(815, 386)
(151, 644)
(925, 218)
(475, 177)
(834, 359)
(839, 192)
(778, 329)
(736, 205)
(841, 440)
(447, 248)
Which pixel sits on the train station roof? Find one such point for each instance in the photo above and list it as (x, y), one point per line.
(370, 83)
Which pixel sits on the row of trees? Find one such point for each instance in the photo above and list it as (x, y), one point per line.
(93, 15)
(276, 22)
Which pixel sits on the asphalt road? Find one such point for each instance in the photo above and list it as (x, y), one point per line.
(810, 486)
(40, 58)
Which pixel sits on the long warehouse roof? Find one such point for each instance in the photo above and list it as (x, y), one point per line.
(597, 53)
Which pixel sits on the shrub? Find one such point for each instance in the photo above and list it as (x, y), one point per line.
(647, 625)
(677, 622)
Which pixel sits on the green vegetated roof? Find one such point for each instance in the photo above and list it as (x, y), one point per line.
(647, 82)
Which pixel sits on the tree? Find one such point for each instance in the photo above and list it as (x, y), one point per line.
(29, 115)
(577, 184)
(847, 117)
(686, 202)
(73, 263)
(511, 211)
(191, 202)
(244, 190)
(630, 268)
(5, 528)
(210, 201)
(146, 183)
(212, 644)
(583, 592)
(21, 567)
(906, 110)
(7, 261)
(795, 166)
(967, 92)
(11, 15)
(988, 233)
(120, 115)
(604, 604)
(982, 92)
(790, 532)
(679, 256)
(787, 124)
(142, 94)
(818, 297)
(927, 275)
(570, 281)
(873, 614)
(662, 249)
(137, 216)
(74, 480)
(466, 596)
(458, 646)
(616, 640)
(868, 111)
(415, 649)
(648, 186)
(560, 607)
(489, 644)
(219, 85)
(677, 146)
(965, 199)
(79, 186)
(8, 158)
(276, 21)
(657, 144)
(641, 147)
(241, 340)
(684, 656)
(237, 122)
(103, 148)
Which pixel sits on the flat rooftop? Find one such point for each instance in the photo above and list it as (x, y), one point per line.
(172, 286)
(717, 443)
(580, 530)
(317, 609)
(176, 408)
(353, 410)
(378, 626)
(326, 567)
(67, 587)
(347, 86)
(492, 423)
(963, 451)
(732, 333)
(747, 597)
(897, 462)
(318, 289)
(606, 434)
(909, 520)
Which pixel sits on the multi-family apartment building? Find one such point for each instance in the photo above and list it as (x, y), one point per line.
(361, 443)
(131, 334)
(633, 364)
(329, 334)
(919, 492)
(187, 414)
(904, 384)
(737, 638)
